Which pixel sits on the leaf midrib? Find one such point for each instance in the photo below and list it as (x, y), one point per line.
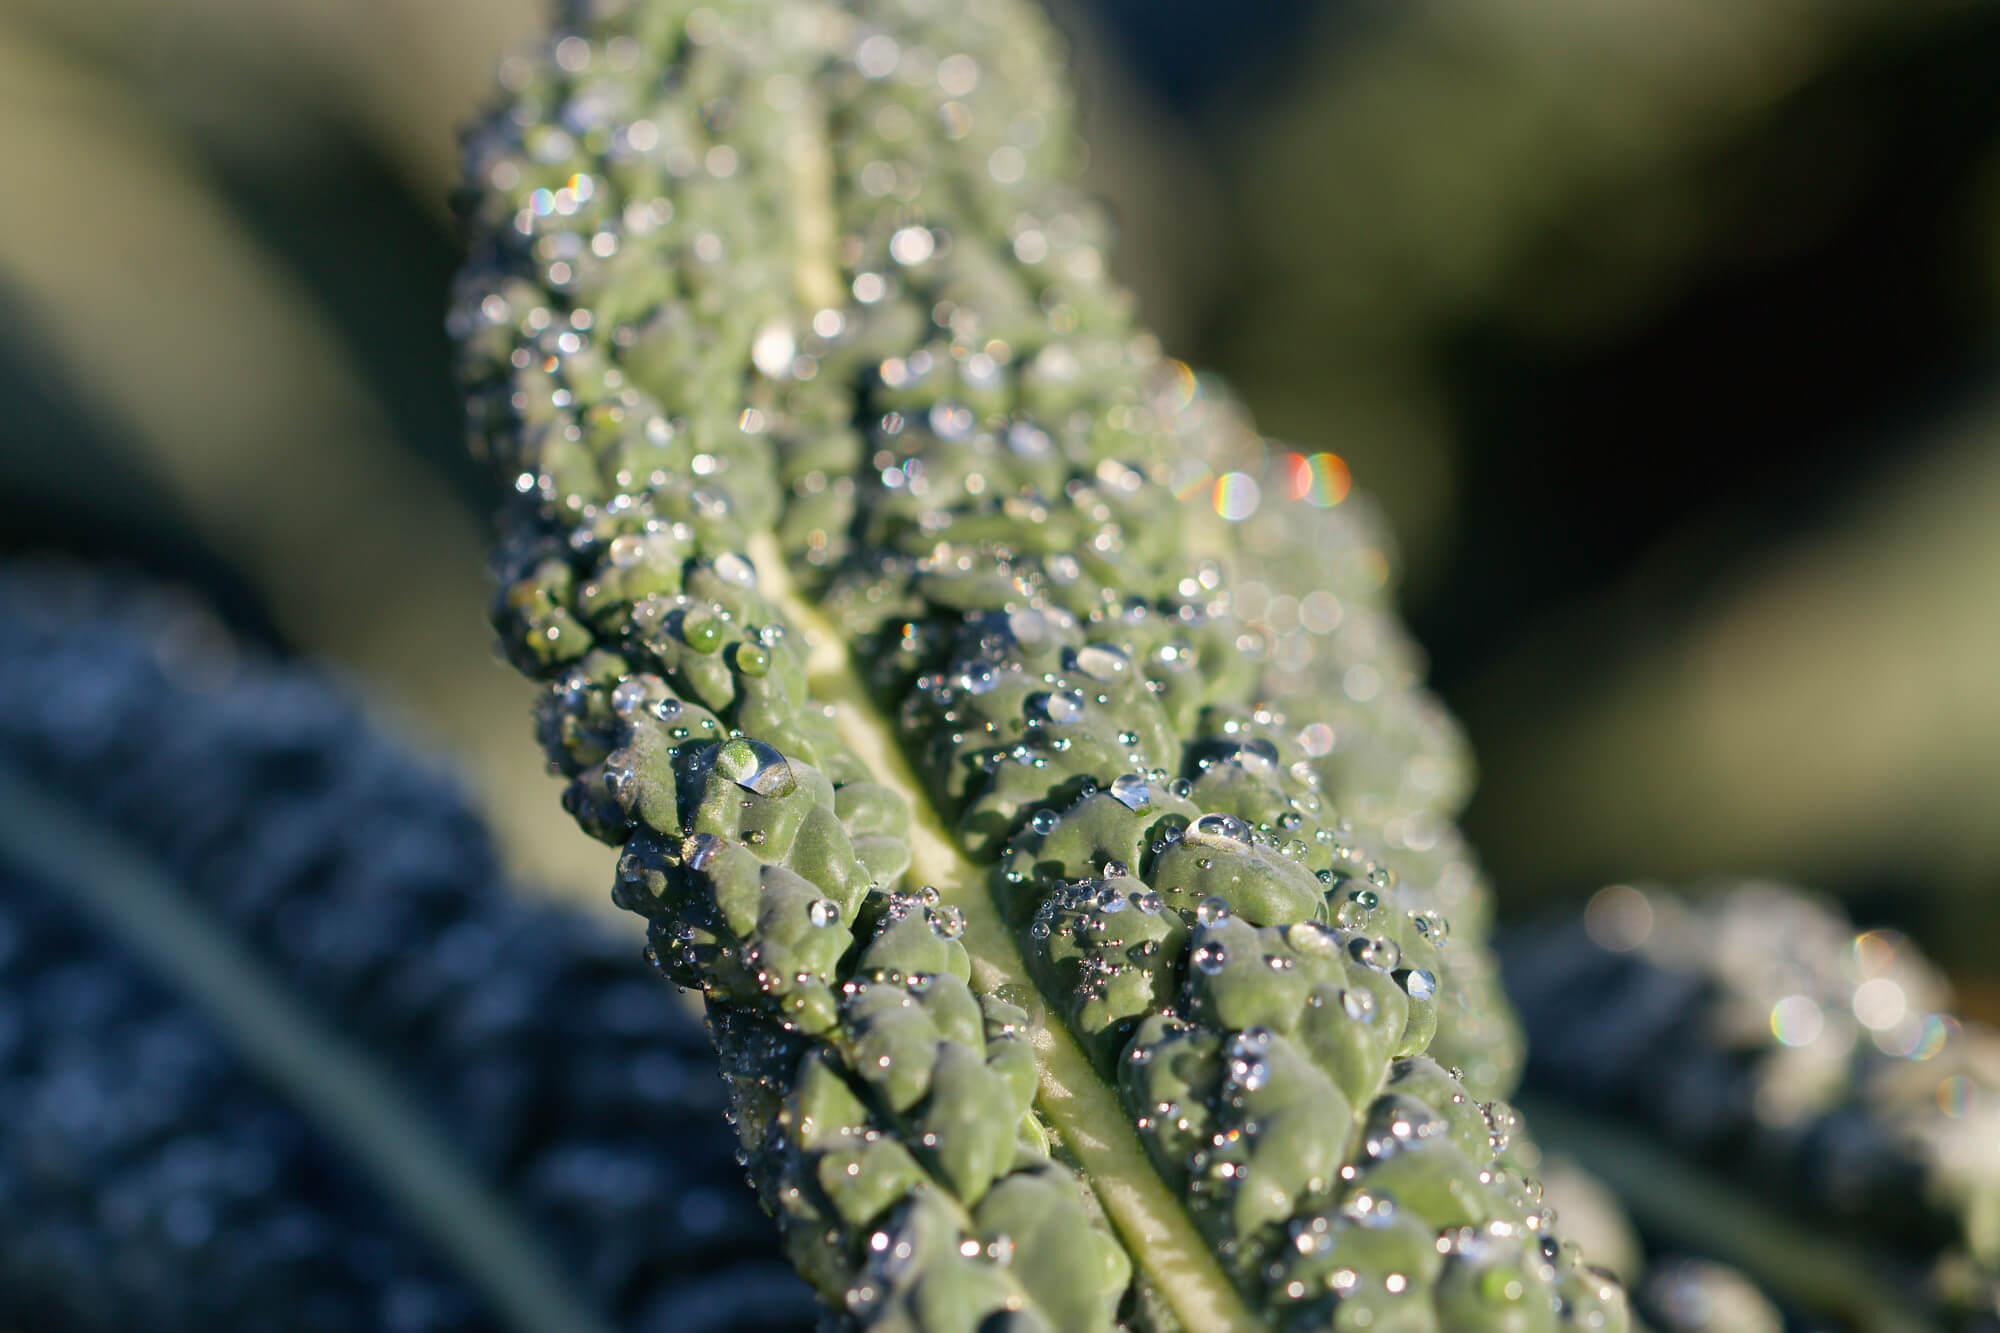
(1077, 1103)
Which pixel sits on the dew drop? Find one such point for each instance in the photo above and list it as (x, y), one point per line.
(1131, 791)
(979, 678)
(1062, 707)
(733, 568)
(1380, 953)
(1101, 662)
(1219, 831)
(629, 698)
(706, 847)
(757, 767)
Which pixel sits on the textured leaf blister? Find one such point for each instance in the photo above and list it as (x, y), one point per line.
(812, 285)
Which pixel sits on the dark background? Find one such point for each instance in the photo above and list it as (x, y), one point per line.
(1664, 331)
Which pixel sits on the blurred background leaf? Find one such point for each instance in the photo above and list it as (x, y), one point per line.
(1665, 330)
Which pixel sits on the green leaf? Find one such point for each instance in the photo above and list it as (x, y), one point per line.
(1023, 761)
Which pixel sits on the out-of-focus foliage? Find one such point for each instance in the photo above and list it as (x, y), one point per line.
(158, 1172)
(1834, 708)
(176, 267)
(1557, 170)
(1777, 1059)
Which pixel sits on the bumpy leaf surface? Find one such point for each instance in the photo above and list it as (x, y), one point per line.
(1023, 761)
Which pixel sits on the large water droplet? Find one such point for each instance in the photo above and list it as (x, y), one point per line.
(1420, 984)
(755, 766)
(822, 912)
(733, 568)
(1222, 832)
(1101, 662)
(1209, 959)
(1131, 791)
(1062, 707)
(1028, 625)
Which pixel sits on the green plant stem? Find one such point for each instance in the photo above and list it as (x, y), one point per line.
(332, 1082)
(1686, 1207)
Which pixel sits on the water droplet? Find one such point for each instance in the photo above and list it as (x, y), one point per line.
(1063, 707)
(1028, 625)
(1209, 958)
(703, 633)
(912, 245)
(1310, 937)
(629, 698)
(1380, 954)
(1370, 1209)
(1101, 662)
(773, 349)
(1131, 791)
(1420, 984)
(703, 850)
(733, 568)
(1044, 822)
(1358, 1004)
(822, 912)
(1502, 1123)
(979, 678)
(753, 659)
(1248, 1074)
(1431, 925)
(755, 766)
(1222, 832)
(1211, 910)
(626, 551)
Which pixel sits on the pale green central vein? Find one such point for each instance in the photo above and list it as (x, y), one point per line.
(330, 1081)
(1077, 1103)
